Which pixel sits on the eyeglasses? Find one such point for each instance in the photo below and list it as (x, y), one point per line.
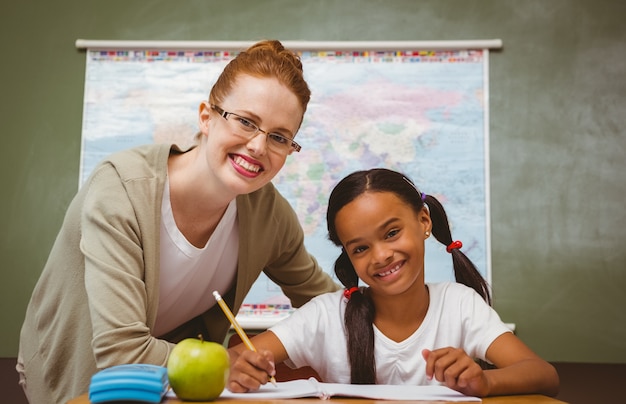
(247, 129)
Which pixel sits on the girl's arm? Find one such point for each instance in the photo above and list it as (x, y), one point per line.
(518, 370)
(248, 369)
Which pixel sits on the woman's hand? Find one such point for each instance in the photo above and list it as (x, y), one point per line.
(454, 368)
(249, 370)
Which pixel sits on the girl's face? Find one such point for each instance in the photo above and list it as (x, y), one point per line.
(237, 163)
(384, 239)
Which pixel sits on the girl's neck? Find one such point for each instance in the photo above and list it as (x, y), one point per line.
(398, 317)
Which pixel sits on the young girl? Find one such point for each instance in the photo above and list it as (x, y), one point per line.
(397, 329)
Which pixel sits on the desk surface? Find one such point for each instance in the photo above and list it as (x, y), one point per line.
(526, 399)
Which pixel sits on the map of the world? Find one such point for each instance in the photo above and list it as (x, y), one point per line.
(424, 113)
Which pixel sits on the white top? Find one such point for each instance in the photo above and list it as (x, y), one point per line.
(457, 316)
(188, 274)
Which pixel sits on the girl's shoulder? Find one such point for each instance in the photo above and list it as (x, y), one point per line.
(329, 299)
(448, 287)
(450, 292)
(323, 308)
(323, 305)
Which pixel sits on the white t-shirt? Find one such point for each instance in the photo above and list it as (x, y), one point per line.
(189, 275)
(457, 316)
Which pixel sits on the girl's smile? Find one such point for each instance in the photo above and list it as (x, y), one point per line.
(390, 270)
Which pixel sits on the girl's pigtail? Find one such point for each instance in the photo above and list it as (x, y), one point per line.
(465, 271)
(359, 319)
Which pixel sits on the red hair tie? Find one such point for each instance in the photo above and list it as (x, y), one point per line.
(453, 246)
(348, 292)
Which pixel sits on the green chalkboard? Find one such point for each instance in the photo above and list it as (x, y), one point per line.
(557, 143)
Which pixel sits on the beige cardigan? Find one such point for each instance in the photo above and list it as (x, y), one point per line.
(97, 298)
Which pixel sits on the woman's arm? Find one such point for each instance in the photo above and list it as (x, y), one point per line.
(278, 241)
(120, 284)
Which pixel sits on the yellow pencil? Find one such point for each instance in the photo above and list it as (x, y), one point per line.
(236, 326)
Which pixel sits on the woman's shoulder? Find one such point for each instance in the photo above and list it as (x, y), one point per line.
(267, 192)
(139, 155)
(142, 166)
(150, 155)
(267, 203)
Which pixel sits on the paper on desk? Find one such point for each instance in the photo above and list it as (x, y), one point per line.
(312, 388)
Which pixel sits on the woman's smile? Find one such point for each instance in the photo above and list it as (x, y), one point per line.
(245, 165)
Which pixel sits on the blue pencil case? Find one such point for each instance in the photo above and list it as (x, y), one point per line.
(130, 382)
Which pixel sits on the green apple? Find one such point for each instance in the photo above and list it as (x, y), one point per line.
(198, 370)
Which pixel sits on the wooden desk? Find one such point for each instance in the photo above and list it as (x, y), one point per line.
(527, 399)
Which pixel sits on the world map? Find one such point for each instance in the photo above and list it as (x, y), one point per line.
(424, 113)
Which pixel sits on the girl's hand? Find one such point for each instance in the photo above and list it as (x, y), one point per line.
(456, 370)
(249, 370)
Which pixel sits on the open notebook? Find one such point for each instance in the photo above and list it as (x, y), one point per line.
(312, 388)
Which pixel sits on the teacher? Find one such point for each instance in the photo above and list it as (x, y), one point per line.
(155, 229)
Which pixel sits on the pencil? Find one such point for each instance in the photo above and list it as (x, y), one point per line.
(237, 327)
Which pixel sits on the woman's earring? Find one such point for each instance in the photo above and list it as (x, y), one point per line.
(427, 234)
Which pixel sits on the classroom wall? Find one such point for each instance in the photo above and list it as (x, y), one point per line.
(557, 142)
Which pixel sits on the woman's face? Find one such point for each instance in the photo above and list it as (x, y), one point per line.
(239, 163)
(384, 239)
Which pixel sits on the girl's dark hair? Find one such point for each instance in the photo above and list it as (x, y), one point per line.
(360, 308)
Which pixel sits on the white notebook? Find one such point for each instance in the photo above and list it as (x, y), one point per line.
(312, 388)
